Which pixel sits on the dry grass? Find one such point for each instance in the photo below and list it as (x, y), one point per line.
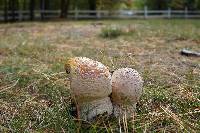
(34, 90)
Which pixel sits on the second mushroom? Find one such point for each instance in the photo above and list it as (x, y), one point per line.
(126, 91)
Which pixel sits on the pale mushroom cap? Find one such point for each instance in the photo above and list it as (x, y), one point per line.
(126, 86)
(89, 79)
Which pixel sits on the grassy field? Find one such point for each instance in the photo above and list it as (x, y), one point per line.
(34, 90)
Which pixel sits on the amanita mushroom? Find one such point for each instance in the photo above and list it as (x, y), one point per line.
(90, 83)
(126, 91)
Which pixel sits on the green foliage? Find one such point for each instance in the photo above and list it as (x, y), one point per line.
(164, 4)
(111, 4)
(177, 4)
(111, 32)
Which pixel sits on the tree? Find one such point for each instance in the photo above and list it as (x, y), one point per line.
(5, 10)
(156, 4)
(12, 7)
(44, 5)
(32, 7)
(191, 4)
(198, 4)
(64, 5)
(177, 4)
(92, 4)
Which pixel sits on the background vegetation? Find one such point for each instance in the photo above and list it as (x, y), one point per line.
(65, 5)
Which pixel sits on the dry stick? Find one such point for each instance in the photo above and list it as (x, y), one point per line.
(147, 123)
(145, 129)
(111, 60)
(58, 73)
(123, 120)
(63, 130)
(126, 124)
(120, 128)
(133, 115)
(105, 127)
(78, 113)
(110, 127)
(10, 86)
(4, 128)
(189, 53)
(45, 76)
(173, 116)
(160, 114)
(33, 83)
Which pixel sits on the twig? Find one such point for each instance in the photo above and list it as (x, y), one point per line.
(105, 127)
(133, 118)
(9, 86)
(189, 53)
(120, 128)
(4, 128)
(173, 116)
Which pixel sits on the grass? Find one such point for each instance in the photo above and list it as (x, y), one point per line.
(34, 90)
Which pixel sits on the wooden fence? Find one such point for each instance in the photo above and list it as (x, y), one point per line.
(99, 14)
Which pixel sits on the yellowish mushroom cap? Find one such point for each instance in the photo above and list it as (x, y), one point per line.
(89, 79)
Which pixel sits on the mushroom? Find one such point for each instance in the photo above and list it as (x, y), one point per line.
(126, 91)
(90, 83)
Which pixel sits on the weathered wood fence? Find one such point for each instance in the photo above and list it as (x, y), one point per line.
(98, 14)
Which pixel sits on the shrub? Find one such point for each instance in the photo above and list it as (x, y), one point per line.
(111, 32)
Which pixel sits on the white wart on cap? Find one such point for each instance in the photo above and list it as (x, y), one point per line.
(126, 91)
(90, 83)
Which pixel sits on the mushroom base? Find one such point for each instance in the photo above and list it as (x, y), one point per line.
(121, 111)
(90, 110)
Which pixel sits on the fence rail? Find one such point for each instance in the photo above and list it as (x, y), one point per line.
(98, 14)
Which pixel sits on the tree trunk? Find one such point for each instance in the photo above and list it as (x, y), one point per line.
(92, 6)
(11, 8)
(17, 7)
(42, 8)
(46, 4)
(24, 5)
(5, 10)
(32, 6)
(159, 4)
(64, 8)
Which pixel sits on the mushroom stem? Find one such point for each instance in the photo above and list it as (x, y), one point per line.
(127, 110)
(91, 109)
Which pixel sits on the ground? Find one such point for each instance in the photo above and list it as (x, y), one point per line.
(34, 89)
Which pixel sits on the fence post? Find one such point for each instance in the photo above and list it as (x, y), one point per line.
(145, 12)
(186, 12)
(169, 13)
(98, 14)
(20, 15)
(76, 13)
